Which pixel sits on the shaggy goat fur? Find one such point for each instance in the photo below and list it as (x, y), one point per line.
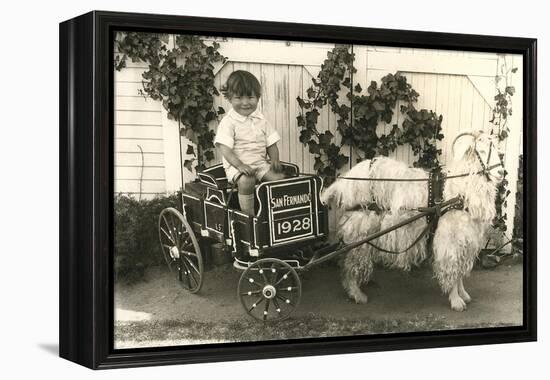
(459, 234)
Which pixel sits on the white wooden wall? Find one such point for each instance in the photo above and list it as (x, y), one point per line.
(458, 85)
(138, 122)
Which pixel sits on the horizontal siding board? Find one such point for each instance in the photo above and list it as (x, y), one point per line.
(133, 186)
(134, 159)
(132, 145)
(135, 172)
(136, 103)
(138, 131)
(140, 195)
(129, 74)
(138, 118)
(141, 65)
(128, 89)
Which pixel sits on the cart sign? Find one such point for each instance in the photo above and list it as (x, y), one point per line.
(291, 211)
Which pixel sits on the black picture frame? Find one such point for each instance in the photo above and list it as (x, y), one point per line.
(86, 188)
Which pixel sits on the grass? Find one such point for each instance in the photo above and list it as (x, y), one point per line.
(162, 333)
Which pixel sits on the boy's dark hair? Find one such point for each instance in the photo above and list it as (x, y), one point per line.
(241, 83)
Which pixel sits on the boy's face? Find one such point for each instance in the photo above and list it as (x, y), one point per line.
(244, 105)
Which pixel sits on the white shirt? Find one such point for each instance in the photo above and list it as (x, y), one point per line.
(248, 136)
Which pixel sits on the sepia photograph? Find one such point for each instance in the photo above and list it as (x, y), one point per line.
(270, 189)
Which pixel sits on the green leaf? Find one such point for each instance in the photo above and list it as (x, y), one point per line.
(378, 106)
(347, 82)
(314, 147)
(318, 103)
(318, 164)
(305, 136)
(301, 103)
(209, 155)
(342, 124)
(372, 88)
(342, 160)
(190, 134)
(325, 138)
(312, 116)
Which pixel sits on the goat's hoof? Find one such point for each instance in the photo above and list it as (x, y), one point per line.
(358, 296)
(465, 296)
(458, 304)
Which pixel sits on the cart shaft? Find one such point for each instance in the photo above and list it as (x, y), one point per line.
(348, 247)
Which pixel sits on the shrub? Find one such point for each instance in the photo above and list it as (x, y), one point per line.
(136, 242)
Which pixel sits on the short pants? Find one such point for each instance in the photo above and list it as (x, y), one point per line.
(262, 167)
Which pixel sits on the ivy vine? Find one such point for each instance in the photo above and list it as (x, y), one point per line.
(182, 78)
(357, 122)
(502, 110)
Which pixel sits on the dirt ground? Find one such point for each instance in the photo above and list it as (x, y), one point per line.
(496, 293)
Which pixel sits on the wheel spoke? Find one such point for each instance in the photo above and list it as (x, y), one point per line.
(285, 276)
(266, 310)
(186, 239)
(188, 261)
(168, 236)
(274, 274)
(287, 289)
(251, 280)
(189, 253)
(286, 300)
(262, 272)
(169, 225)
(174, 230)
(187, 274)
(192, 277)
(277, 307)
(255, 304)
(251, 293)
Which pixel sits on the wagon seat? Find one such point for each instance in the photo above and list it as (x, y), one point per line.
(219, 189)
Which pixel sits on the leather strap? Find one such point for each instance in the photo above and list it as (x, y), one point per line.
(428, 228)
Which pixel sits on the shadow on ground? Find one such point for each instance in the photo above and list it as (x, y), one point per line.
(393, 296)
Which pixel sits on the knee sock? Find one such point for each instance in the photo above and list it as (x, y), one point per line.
(247, 203)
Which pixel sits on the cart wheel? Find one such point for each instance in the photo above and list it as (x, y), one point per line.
(181, 249)
(270, 290)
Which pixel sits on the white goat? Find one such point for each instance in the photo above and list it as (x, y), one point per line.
(459, 233)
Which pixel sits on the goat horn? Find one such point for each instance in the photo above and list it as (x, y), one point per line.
(475, 135)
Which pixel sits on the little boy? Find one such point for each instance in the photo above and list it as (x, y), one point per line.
(245, 139)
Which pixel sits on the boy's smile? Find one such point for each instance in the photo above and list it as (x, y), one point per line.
(244, 105)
